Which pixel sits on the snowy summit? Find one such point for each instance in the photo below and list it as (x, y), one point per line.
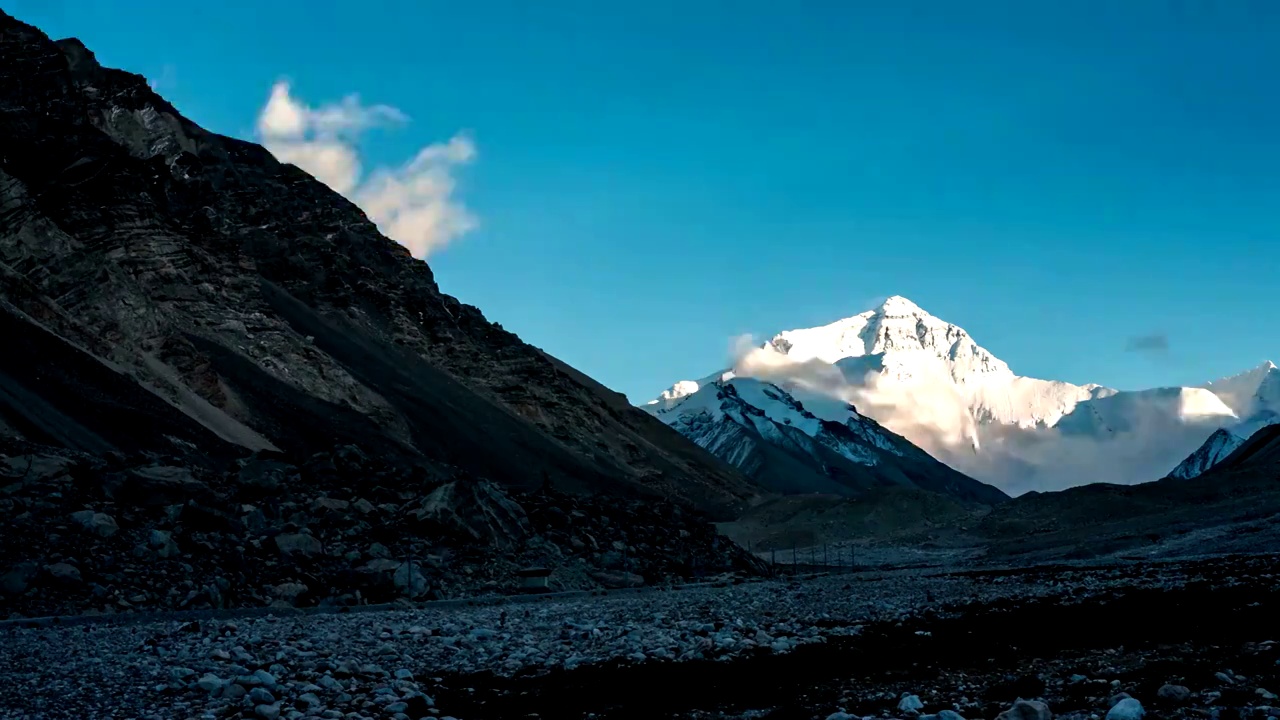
(931, 382)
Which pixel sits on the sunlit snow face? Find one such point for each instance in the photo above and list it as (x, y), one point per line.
(923, 406)
(928, 381)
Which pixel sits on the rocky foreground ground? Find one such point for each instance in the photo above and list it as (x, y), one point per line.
(1189, 639)
(118, 534)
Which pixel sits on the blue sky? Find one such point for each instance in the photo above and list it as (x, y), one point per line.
(654, 178)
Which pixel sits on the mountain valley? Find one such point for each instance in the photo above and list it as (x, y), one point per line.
(255, 464)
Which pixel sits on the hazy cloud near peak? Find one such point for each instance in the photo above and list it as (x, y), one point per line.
(1154, 343)
(166, 79)
(413, 204)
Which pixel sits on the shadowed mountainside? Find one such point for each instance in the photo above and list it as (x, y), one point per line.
(257, 308)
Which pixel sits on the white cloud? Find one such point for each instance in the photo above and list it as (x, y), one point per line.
(413, 204)
(167, 79)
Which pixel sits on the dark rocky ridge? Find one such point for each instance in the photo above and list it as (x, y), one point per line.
(264, 311)
(1233, 507)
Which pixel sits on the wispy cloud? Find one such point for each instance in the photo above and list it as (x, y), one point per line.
(166, 79)
(1153, 344)
(413, 204)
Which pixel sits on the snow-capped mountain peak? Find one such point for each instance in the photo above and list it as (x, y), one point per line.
(930, 381)
(1251, 391)
(673, 395)
(900, 337)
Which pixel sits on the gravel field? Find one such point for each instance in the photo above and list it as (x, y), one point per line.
(559, 659)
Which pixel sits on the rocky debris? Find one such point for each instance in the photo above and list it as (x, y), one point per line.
(864, 644)
(116, 533)
(18, 578)
(617, 579)
(410, 580)
(475, 511)
(34, 468)
(161, 544)
(265, 475)
(154, 485)
(298, 544)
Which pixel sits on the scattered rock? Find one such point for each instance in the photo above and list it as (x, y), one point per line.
(162, 544)
(910, 704)
(210, 683)
(1027, 710)
(96, 523)
(326, 504)
(64, 573)
(1126, 709)
(409, 580)
(618, 579)
(289, 591)
(298, 544)
(155, 485)
(264, 475)
(1174, 694)
(261, 696)
(1115, 699)
(19, 578)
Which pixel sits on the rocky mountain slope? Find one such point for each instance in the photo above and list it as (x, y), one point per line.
(185, 293)
(1218, 446)
(774, 439)
(90, 534)
(929, 380)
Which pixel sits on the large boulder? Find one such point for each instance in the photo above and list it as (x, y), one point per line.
(410, 581)
(1027, 710)
(264, 475)
(162, 544)
(155, 485)
(34, 468)
(475, 511)
(96, 523)
(298, 544)
(19, 578)
(64, 574)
